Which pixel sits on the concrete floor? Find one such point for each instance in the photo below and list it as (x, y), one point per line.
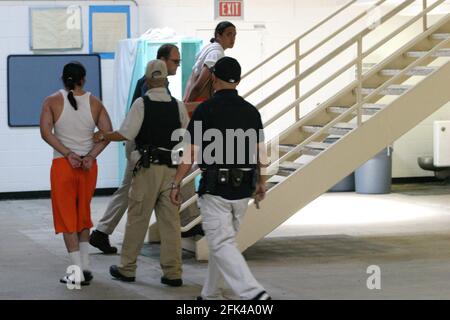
(323, 252)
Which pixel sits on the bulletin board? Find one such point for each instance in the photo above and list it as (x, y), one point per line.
(31, 78)
(55, 28)
(108, 25)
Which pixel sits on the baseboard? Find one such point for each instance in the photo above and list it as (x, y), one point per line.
(414, 180)
(45, 194)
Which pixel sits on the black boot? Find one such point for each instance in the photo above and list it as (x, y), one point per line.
(100, 240)
(114, 271)
(196, 230)
(172, 282)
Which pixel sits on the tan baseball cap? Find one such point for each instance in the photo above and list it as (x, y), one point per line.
(156, 69)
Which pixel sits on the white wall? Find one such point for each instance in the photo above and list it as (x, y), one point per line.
(24, 157)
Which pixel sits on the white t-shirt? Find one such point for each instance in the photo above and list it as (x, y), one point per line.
(208, 56)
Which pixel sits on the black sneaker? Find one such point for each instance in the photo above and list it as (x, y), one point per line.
(199, 298)
(262, 296)
(172, 282)
(114, 271)
(196, 230)
(88, 276)
(100, 240)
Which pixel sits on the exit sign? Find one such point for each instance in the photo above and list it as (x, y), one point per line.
(229, 9)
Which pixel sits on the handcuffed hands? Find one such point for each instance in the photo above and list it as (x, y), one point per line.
(74, 159)
(87, 162)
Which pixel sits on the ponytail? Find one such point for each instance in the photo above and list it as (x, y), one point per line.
(72, 100)
(73, 74)
(71, 86)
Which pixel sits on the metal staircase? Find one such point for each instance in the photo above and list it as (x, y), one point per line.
(314, 151)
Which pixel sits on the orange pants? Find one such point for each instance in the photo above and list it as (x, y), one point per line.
(71, 192)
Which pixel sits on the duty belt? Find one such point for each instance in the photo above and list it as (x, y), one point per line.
(153, 155)
(234, 178)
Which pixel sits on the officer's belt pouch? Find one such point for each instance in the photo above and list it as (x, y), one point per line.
(159, 156)
(223, 176)
(211, 178)
(237, 177)
(145, 156)
(209, 181)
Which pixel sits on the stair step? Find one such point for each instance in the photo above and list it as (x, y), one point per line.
(368, 109)
(394, 90)
(286, 147)
(274, 180)
(339, 129)
(419, 54)
(417, 71)
(440, 36)
(314, 148)
(332, 139)
(288, 167)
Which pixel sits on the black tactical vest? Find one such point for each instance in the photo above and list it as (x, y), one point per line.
(160, 120)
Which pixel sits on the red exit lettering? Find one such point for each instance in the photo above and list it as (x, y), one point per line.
(230, 9)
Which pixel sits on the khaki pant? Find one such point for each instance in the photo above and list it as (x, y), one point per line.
(150, 189)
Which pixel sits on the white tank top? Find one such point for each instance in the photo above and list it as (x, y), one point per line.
(75, 128)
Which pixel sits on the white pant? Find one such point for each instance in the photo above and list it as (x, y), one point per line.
(221, 219)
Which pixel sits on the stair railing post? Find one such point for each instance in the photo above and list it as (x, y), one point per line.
(297, 73)
(425, 17)
(359, 71)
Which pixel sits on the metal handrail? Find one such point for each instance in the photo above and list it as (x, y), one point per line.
(332, 55)
(300, 37)
(327, 39)
(351, 86)
(354, 107)
(345, 46)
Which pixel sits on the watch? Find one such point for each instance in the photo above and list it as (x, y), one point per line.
(174, 185)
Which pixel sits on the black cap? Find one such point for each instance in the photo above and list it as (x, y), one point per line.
(227, 69)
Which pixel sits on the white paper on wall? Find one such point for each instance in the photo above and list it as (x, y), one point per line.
(56, 28)
(107, 29)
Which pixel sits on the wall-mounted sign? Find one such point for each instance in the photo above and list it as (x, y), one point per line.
(108, 25)
(55, 28)
(229, 9)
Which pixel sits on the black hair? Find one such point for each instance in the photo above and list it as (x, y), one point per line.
(73, 74)
(220, 29)
(164, 51)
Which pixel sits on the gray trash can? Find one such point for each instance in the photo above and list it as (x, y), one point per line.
(375, 176)
(345, 185)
